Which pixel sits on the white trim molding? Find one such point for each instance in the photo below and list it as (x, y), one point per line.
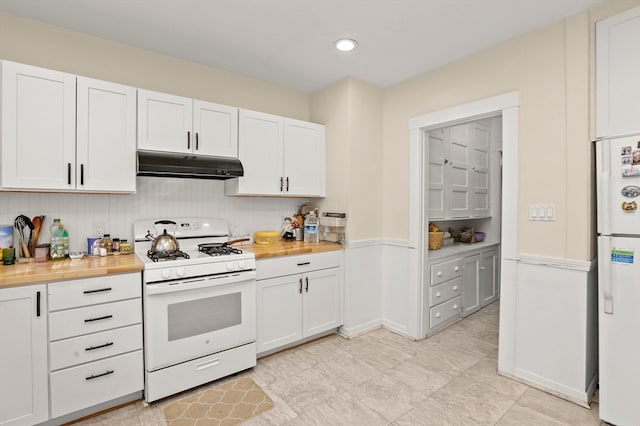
(505, 105)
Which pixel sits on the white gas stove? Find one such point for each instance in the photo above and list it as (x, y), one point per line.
(199, 305)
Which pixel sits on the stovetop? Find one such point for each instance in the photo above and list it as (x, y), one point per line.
(190, 233)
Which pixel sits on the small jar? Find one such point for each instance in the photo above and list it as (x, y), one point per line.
(125, 247)
(106, 243)
(115, 246)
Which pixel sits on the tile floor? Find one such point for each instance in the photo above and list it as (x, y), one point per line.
(381, 378)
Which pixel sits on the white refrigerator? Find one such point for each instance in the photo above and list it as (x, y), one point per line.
(618, 196)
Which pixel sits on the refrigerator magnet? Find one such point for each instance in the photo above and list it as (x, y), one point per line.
(630, 206)
(622, 256)
(631, 191)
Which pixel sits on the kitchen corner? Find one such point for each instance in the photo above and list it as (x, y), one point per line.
(287, 248)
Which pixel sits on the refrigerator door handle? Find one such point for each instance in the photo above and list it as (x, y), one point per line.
(605, 272)
(603, 187)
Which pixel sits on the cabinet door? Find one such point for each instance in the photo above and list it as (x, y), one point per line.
(304, 159)
(164, 122)
(38, 128)
(216, 129)
(23, 358)
(260, 138)
(438, 173)
(470, 284)
(279, 311)
(489, 277)
(322, 302)
(617, 82)
(479, 145)
(459, 186)
(106, 136)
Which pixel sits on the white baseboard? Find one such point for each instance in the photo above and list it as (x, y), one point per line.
(361, 329)
(558, 389)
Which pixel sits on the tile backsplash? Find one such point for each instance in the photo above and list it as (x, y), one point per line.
(155, 198)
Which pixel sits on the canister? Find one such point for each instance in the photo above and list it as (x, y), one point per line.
(92, 244)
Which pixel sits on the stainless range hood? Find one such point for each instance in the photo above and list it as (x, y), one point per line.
(187, 166)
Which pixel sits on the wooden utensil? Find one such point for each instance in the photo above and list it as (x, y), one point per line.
(37, 224)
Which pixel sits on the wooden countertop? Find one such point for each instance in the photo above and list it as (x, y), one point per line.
(68, 269)
(286, 248)
(95, 266)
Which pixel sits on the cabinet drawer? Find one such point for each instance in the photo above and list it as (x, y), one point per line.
(289, 265)
(91, 291)
(90, 319)
(441, 272)
(445, 311)
(445, 291)
(80, 387)
(92, 347)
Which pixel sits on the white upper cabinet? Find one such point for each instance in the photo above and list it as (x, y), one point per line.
(62, 134)
(304, 158)
(280, 157)
(38, 128)
(106, 136)
(438, 173)
(479, 152)
(172, 123)
(617, 75)
(458, 172)
(459, 168)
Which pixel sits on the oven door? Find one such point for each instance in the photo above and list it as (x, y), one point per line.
(190, 318)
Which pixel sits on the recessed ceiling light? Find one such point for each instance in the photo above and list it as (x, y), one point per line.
(345, 44)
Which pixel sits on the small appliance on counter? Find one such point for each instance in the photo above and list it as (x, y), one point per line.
(333, 227)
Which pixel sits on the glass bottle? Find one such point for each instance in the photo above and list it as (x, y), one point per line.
(106, 243)
(311, 228)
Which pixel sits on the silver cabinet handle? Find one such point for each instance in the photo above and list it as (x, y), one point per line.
(95, 376)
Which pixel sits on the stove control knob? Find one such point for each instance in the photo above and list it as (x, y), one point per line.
(166, 273)
(180, 272)
(242, 264)
(230, 266)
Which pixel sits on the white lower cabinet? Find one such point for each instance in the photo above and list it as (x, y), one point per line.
(95, 341)
(459, 285)
(23, 357)
(471, 284)
(489, 276)
(298, 297)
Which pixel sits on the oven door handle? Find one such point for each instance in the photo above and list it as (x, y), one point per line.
(198, 283)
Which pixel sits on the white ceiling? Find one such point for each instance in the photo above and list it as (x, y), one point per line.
(290, 42)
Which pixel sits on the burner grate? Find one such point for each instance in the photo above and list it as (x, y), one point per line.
(220, 250)
(161, 256)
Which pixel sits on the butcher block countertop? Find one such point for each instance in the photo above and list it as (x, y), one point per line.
(286, 248)
(68, 269)
(95, 266)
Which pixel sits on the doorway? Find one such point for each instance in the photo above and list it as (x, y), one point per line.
(506, 107)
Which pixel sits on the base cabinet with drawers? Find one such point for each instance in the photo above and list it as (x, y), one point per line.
(458, 285)
(95, 341)
(298, 297)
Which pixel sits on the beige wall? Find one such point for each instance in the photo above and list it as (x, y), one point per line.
(550, 69)
(35, 43)
(367, 135)
(352, 112)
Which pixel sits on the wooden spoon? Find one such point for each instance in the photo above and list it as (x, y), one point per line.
(37, 224)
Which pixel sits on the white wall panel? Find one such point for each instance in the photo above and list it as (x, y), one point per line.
(363, 287)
